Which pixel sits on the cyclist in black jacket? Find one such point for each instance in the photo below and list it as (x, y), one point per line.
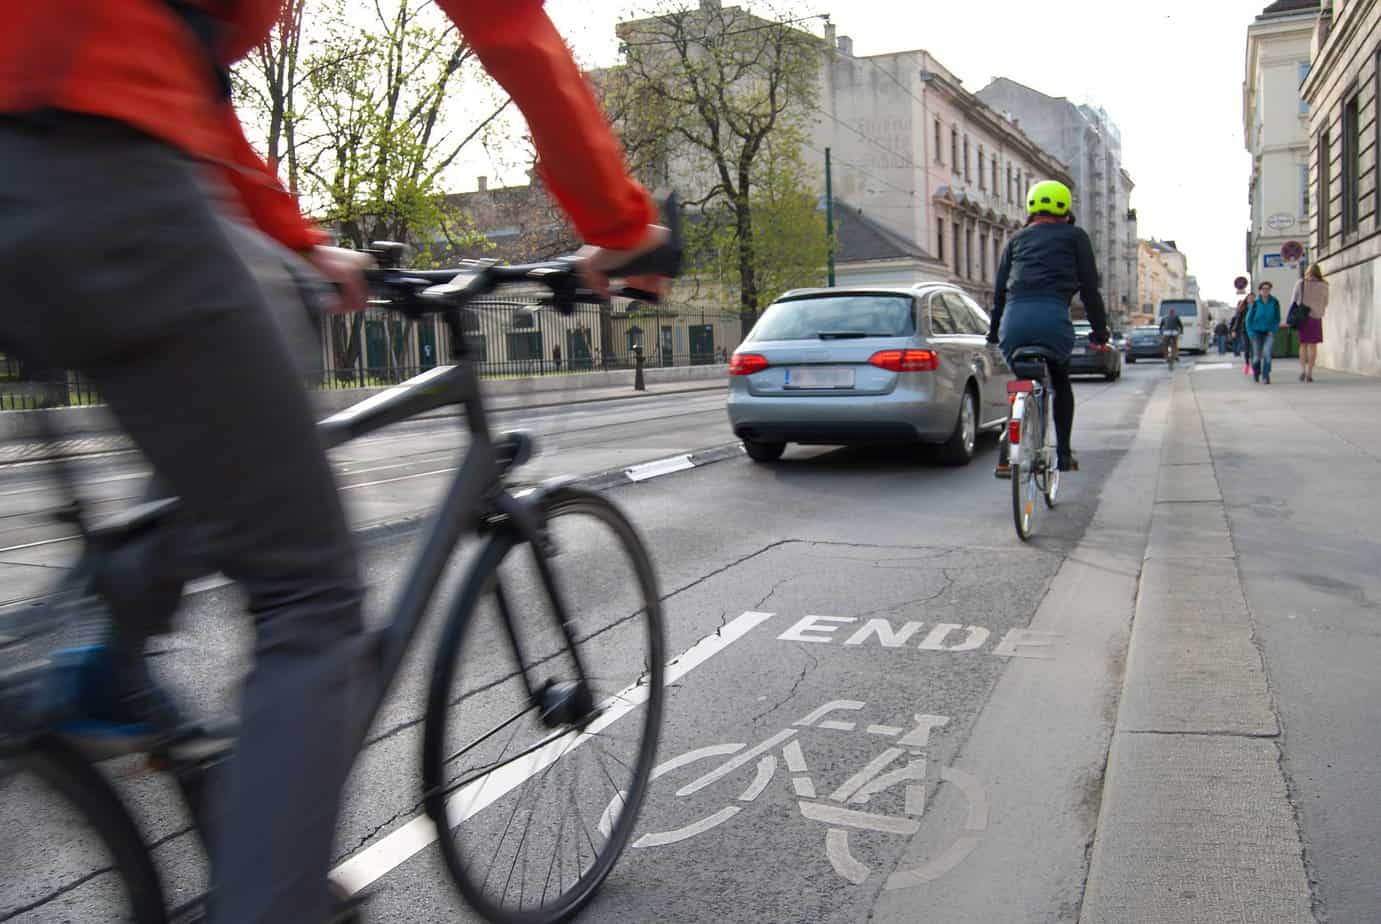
(1043, 266)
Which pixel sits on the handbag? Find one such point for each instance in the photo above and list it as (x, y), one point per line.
(1299, 313)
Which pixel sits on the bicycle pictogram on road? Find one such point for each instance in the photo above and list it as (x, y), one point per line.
(903, 764)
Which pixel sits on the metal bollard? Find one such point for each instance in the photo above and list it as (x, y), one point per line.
(638, 383)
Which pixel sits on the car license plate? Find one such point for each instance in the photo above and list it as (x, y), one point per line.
(819, 377)
(1080, 351)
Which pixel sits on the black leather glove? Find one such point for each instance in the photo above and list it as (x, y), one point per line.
(1098, 338)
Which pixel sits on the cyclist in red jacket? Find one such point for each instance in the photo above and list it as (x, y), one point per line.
(144, 243)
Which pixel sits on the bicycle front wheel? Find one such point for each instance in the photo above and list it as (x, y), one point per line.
(540, 738)
(69, 848)
(1024, 484)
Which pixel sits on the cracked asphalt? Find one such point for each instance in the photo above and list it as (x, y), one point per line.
(895, 587)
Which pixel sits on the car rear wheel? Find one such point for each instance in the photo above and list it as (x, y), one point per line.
(763, 452)
(958, 449)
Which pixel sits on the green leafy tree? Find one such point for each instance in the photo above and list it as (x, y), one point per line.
(718, 100)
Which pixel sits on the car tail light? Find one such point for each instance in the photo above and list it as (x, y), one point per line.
(906, 360)
(747, 363)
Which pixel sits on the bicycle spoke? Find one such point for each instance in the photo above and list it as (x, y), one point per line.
(489, 734)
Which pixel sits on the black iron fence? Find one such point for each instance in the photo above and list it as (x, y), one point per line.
(506, 337)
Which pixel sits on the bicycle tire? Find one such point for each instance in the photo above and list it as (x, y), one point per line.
(481, 583)
(1050, 465)
(1023, 477)
(67, 774)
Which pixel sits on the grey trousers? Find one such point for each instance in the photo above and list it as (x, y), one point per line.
(116, 263)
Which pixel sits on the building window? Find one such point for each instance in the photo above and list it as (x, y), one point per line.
(983, 256)
(1351, 171)
(967, 174)
(939, 143)
(1010, 198)
(1303, 73)
(995, 192)
(954, 150)
(1304, 191)
(940, 239)
(982, 175)
(968, 253)
(1325, 196)
(955, 239)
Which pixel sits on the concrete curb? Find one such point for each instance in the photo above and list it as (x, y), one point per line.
(1195, 823)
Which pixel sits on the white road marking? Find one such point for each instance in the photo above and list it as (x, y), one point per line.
(867, 821)
(383, 856)
(837, 849)
(1204, 367)
(729, 766)
(659, 467)
(860, 779)
(929, 872)
(663, 838)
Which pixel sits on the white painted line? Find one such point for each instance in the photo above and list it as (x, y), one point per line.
(729, 766)
(1205, 367)
(837, 849)
(867, 821)
(663, 838)
(860, 779)
(659, 467)
(377, 860)
(767, 768)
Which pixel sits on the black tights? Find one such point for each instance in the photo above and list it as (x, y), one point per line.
(1064, 405)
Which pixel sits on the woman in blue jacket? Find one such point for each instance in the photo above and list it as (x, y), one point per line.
(1263, 320)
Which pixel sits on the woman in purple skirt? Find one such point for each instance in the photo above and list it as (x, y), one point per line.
(1312, 291)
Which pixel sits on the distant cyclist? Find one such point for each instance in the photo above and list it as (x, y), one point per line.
(1171, 329)
(140, 241)
(1043, 266)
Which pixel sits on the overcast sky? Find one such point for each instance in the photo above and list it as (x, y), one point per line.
(1169, 73)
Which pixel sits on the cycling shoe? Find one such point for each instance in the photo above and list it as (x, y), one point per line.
(1067, 462)
(104, 706)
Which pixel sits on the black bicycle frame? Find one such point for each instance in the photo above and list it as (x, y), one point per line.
(470, 496)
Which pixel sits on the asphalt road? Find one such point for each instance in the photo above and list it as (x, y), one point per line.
(867, 604)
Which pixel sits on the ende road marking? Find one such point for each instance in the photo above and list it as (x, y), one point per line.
(386, 854)
(944, 636)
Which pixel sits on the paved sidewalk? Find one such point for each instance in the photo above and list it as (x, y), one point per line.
(1197, 823)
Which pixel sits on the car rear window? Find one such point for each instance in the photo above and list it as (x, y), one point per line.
(837, 316)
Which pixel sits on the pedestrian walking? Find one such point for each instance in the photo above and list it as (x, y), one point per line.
(1237, 330)
(1311, 292)
(1220, 335)
(1263, 320)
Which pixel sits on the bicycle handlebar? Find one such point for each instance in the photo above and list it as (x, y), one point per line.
(419, 292)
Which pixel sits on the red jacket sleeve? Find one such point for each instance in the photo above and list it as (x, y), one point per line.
(579, 157)
(272, 209)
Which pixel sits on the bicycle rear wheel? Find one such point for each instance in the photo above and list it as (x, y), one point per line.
(535, 792)
(1050, 468)
(1024, 486)
(69, 848)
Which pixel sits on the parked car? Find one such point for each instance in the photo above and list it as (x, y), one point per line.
(1088, 361)
(860, 365)
(1145, 343)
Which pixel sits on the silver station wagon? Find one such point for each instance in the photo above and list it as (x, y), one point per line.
(860, 366)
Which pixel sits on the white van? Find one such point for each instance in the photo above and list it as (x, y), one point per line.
(1197, 329)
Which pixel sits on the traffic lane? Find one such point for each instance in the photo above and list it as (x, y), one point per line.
(1308, 564)
(935, 600)
(391, 476)
(205, 661)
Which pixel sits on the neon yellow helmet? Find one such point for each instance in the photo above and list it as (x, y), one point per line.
(1049, 197)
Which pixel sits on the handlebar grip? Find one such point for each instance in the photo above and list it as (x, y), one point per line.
(666, 260)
